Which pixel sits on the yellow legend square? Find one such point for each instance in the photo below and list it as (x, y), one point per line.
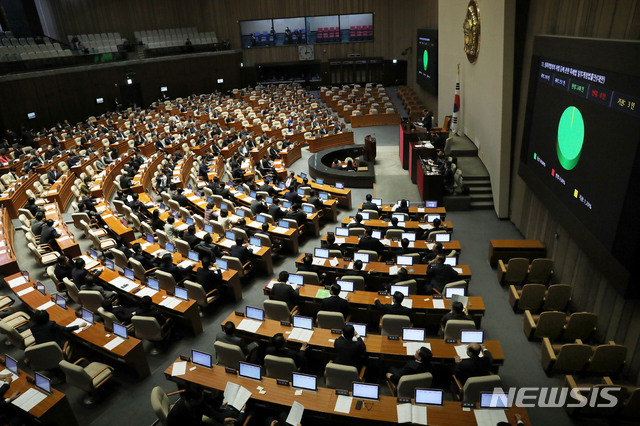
(575, 193)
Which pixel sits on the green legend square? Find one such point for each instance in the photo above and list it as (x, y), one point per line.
(535, 156)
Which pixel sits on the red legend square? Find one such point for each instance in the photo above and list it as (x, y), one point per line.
(553, 172)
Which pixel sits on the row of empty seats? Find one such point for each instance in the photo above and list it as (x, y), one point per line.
(98, 43)
(172, 37)
(25, 49)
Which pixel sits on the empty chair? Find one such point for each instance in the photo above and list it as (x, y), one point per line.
(557, 297)
(453, 327)
(408, 383)
(607, 359)
(88, 378)
(43, 258)
(90, 299)
(514, 272)
(599, 405)
(530, 297)
(372, 255)
(392, 325)
(373, 214)
(166, 281)
(330, 320)
(72, 290)
(78, 217)
(540, 271)
(580, 325)
(394, 234)
(45, 356)
(228, 355)
(472, 388)
(310, 278)
(120, 259)
(182, 246)
(102, 244)
(359, 283)
(547, 324)
(277, 310)
(570, 357)
(20, 340)
(196, 292)
(5, 302)
(279, 367)
(235, 264)
(356, 231)
(339, 376)
(456, 284)
(147, 328)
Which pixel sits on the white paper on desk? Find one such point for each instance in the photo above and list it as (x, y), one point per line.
(113, 343)
(101, 209)
(461, 351)
(393, 270)
(301, 334)
(412, 347)
(343, 404)
(106, 216)
(25, 291)
(404, 413)
(124, 284)
(318, 261)
(179, 368)
(334, 262)
(438, 304)
(385, 241)
(425, 226)
(80, 323)
(50, 206)
(490, 417)
(255, 224)
(227, 243)
(45, 306)
(430, 246)
(29, 399)
(146, 291)
(459, 298)
(280, 230)
(186, 263)
(182, 227)
(16, 282)
(407, 303)
(421, 210)
(295, 414)
(6, 371)
(350, 265)
(170, 302)
(340, 240)
(236, 395)
(65, 238)
(89, 263)
(458, 270)
(200, 234)
(144, 245)
(249, 325)
(412, 244)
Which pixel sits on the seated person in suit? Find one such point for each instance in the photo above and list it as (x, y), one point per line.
(145, 259)
(209, 279)
(156, 222)
(63, 268)
(181, 198)
(394, 308)
(53, 175)
(438, 274)
(240, 251)
(350, 348)
(430, 256)
(193, 408)
(146, 309)
(258, 205)
(404, 248)
(87, 281)
(228, 335)
(475, 365)
(367, 242)
(168, 266)
(358, 222)
(292, 195)
(170, 229)
(190, 237)
(284, 292)
(421, 363)
(457, 313)
(313, 199)
(122, 313)
(369, 205)
(403, 208)
(8, 414)
(307, 264)
(394, 224)
(296, 214)
(32, 207)
(335, 303)
(37, 224)
(206, 248)
(278, 347)
(44, 331)
(331, 242)
(275, 209)
(437, 226)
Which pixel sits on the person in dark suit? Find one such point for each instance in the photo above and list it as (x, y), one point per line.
(331, 242)
(475, 365)
(181, 198)
(228, 335)
(367, 242)
(448, 176)
(168, 266)
(63, 268)
(307, 264)
(37, 223)
(427, 121)
(258, 205)
(404, 248)
(156, 222)
(438, 274)
(275, 210)
(421, 363)
(395, 308)
(146, 309)
(284, 292)
(190, 237)
(53, 175)
(394, 224)
(278, 347)
(49, 234)
(193, 409)
(292, 195)
(125, 182)
(296, 214)
(350, 349)
(7, 414)
(369, 205)
(32, 207)
(313, 199)
(144, 259)
(206, 248)
(335, 303)
(122, 313)
(358, 222)
(403, 208)
(240, 251)
(44, 331)
(209, 279)
(456, 313)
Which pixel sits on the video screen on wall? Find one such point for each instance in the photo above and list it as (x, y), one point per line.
(427, 60)
(580, 148)
(307, 30)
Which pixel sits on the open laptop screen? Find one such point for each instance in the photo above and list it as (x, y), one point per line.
(120, 330)
(201, 358)
(11, 364)
(304, 381)
(494, 400)
(255, 313)
(43, 382)
(471, 336)
(365, 390)
(303, 322)
(361, 329)
(413, 334)
(449, 292)
(429, 396)
(250, 371)
(401, 288)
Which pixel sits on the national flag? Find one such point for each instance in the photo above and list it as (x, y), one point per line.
(456, 104)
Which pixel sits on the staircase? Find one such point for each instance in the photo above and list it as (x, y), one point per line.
(475, 177)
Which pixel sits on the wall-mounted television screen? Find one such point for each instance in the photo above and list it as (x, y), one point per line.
(427, 60)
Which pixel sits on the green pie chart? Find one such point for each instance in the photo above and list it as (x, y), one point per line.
(425, 59)
(570, 137)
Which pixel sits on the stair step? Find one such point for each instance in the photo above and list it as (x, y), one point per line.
(481, 205)
(479, 189)
(481, 197)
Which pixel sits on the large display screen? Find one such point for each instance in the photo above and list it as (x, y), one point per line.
(307, 30)
(580, 147)
(427, 60)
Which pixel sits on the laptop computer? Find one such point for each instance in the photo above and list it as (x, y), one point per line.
(401, 288)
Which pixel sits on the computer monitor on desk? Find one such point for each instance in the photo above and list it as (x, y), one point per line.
(153, 283)
(376, 234)
(120, 330)
(363, 257)
(11, 364)
(304, 381)
(255, 313)
(250, 371)
(43, 383)
(401, 288)
(494, 400)
(428, 396)
(443, 238)
(202, 359)
(365, 391)
(303, 322)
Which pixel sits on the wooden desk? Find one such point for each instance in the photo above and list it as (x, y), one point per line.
(419, 246)
(114, 223)
(406, 137)
(323, 401)
(60, 192)
(320, 143)
(291, 155)
(66, 241)
(416, 151)
(409, 225)
(430, 184)
(389, 209)
(8, 260)
(130, 352)
(507, 249)
(378, 345)
(18, 198)
(143, 179)
(381, 119)
(52, 410)
(342, 195)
